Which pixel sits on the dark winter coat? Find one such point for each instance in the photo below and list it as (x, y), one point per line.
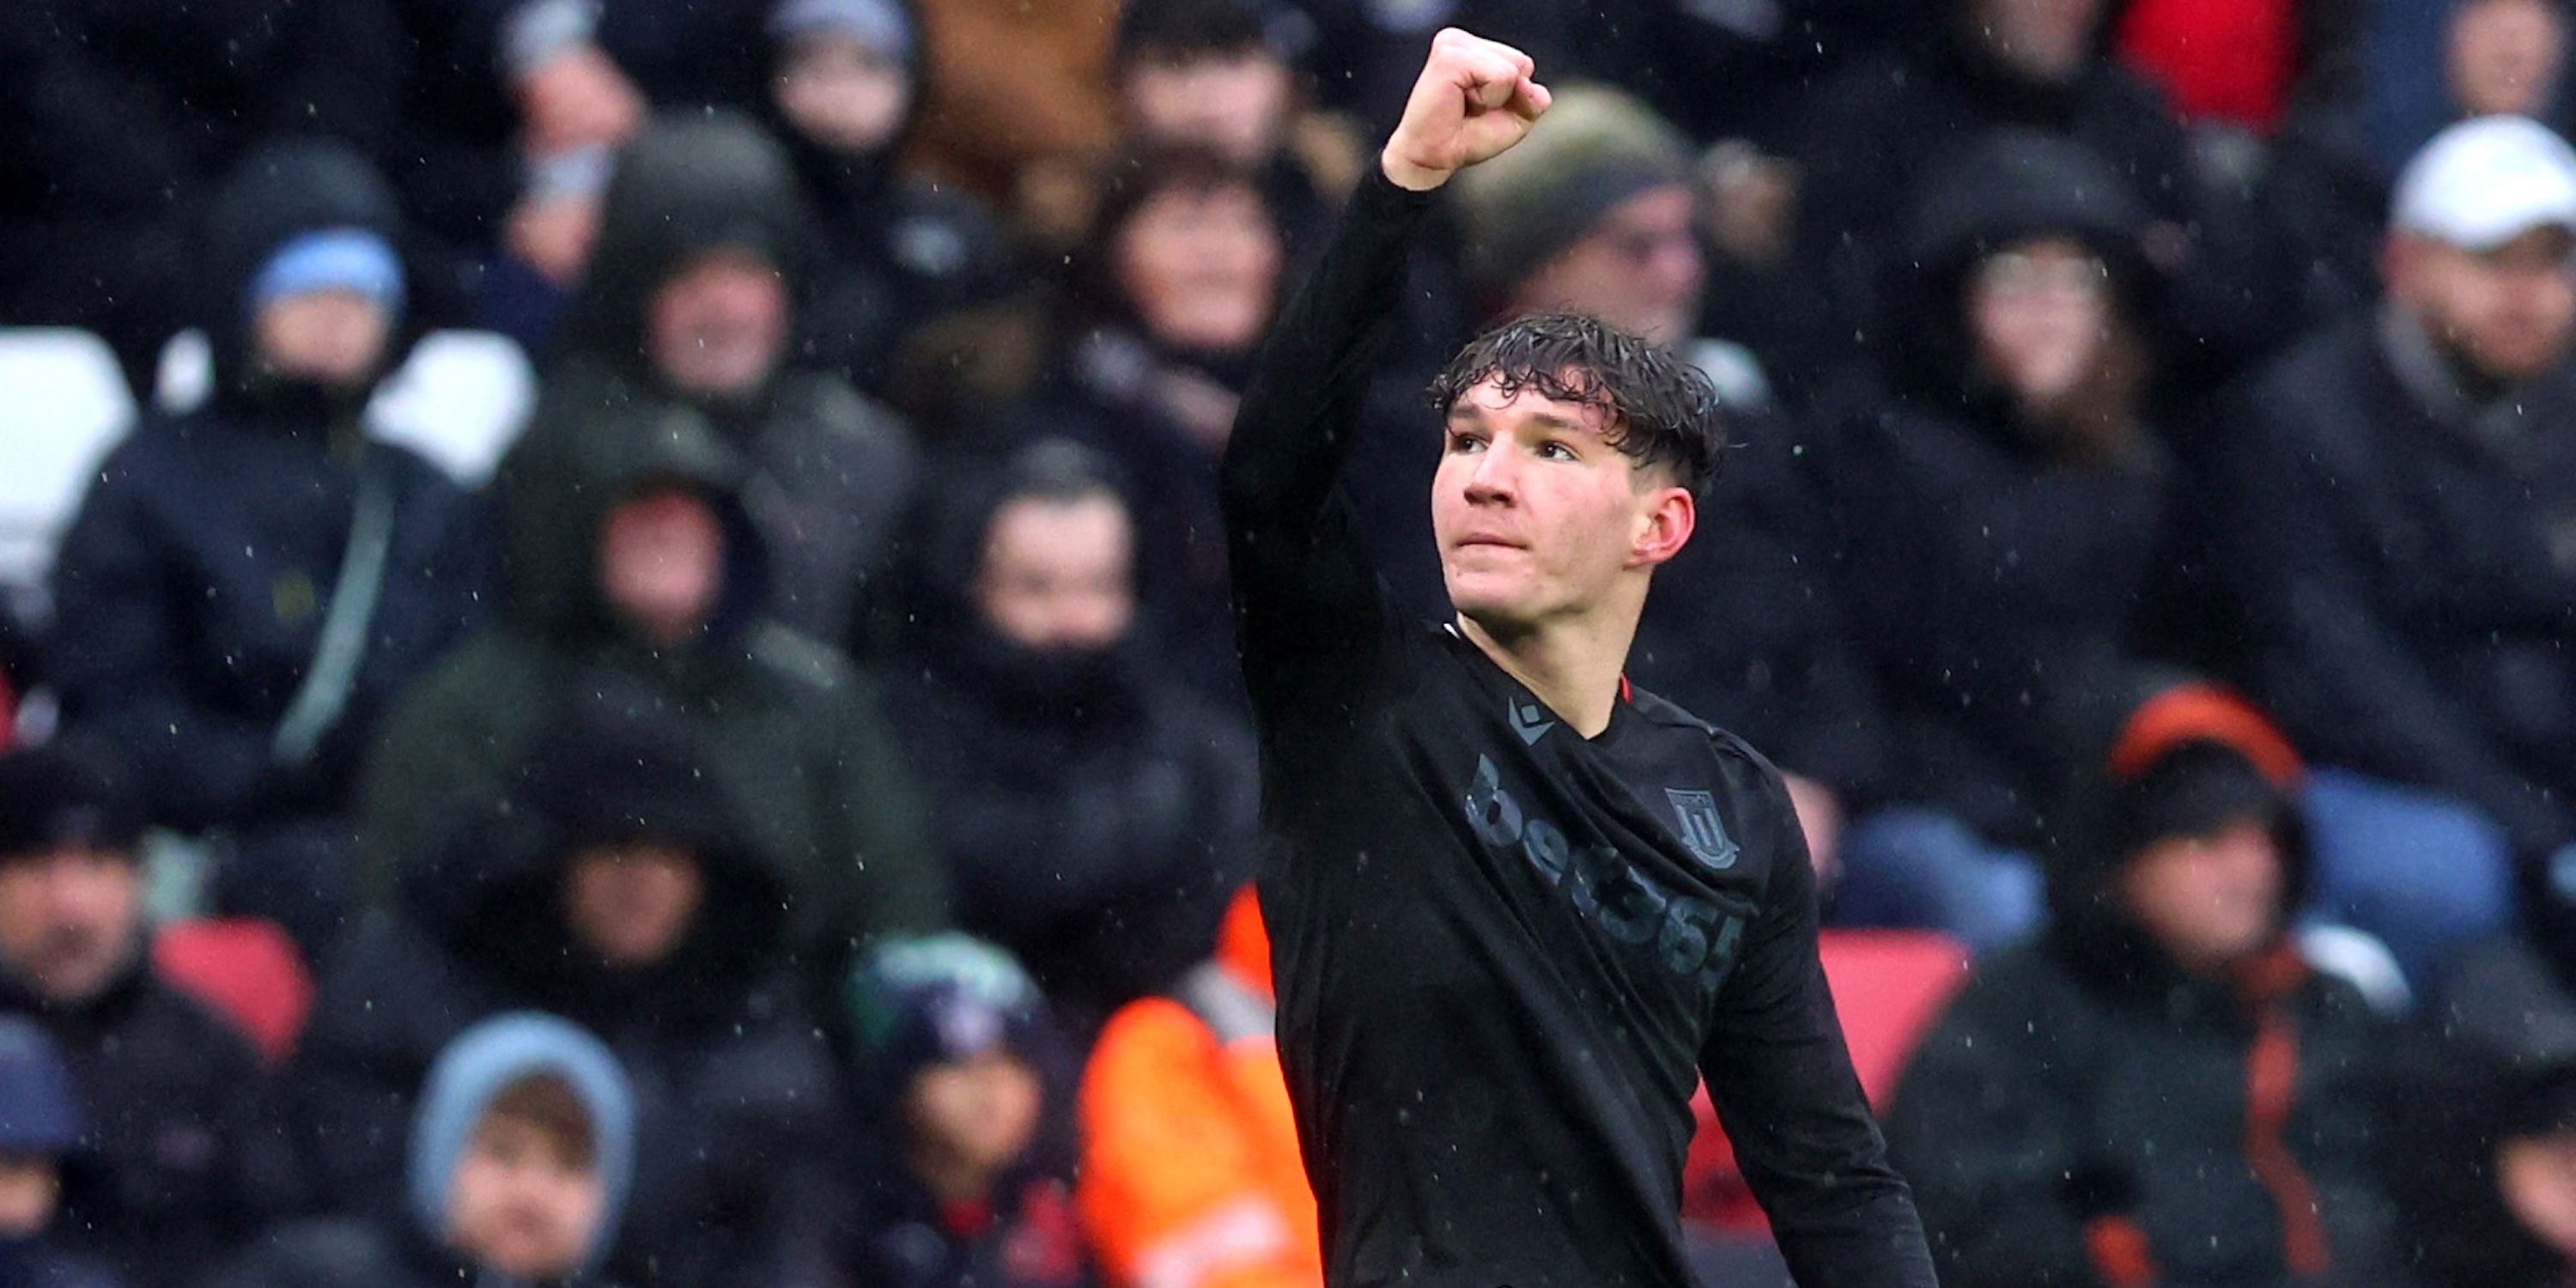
(2085, 1109)
(829, 471)
(1994, 578)
(2404, 550)
(37, 1263)
(732, 1083)
(124, 116)
(183, 1154)
(343, 1253)
(1744, 630)
(192, 589)
(1094, 813)
(792, 734)
(899, 1235)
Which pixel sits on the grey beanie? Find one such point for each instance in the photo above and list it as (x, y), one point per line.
(1595, 148)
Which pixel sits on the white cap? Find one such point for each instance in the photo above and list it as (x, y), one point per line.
(2482, 183)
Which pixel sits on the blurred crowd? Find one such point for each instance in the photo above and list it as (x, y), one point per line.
(789, 822)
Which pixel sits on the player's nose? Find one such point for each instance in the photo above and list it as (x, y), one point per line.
(1495, 477)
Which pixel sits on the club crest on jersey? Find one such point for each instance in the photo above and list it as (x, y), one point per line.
(1530, 721)
(1702, 830)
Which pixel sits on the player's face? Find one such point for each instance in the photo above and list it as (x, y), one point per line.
(1537, 514)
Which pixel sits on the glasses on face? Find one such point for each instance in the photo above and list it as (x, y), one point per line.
(2015, 275)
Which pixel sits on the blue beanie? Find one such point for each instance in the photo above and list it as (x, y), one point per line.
(880, 25)
(38, 1114)
(331, 259)
(490, 1058)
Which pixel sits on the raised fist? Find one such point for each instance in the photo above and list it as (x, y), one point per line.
(1475, 98)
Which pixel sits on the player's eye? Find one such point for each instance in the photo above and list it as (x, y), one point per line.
(1463, 441)
(1556, 451)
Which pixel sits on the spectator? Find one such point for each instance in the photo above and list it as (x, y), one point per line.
(642, 583)
(964, 1184)
(1191, 1176)
(180, 1157)
(1172, 291)
(1878, 130)
(40, 1136)
(518, 1168)
(1221, 74)
(2001, 522)
(896, 251)
(1091, 809)
(249, 585)
(124, 120)
(622, 892)
(1595, 213)
(690, 302)
(2388, 509)
(2160, 1089)
(2329, 183)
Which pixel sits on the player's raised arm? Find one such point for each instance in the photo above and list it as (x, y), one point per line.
(1474, 99)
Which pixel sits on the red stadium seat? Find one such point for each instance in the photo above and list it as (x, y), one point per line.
(245, 968)
(1888, 987)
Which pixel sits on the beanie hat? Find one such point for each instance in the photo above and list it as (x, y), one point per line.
(2190, 761)
(1595, 149)
(38, 1113)
(942, 999)
(331, 259)
(881, 25)
(50, 798)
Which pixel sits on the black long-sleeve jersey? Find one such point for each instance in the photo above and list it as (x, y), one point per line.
(1502, 949)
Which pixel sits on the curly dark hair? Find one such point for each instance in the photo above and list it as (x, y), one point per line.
(1656, 409)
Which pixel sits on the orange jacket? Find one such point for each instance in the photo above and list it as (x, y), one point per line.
(1190, 1173)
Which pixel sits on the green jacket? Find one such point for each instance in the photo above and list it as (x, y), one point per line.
(792, 731)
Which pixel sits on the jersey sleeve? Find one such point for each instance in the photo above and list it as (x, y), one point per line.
(1304, 589)
(1783, 1086)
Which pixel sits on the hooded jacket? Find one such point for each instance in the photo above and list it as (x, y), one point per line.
(728, 1076)
(1093, 812)
(192, 588)
(827, 472)
(1876, 131)
(791, 734)
(2399, 541)
(413, 1252)
(1995, 576)
(2087, 1112)
(942, 1001)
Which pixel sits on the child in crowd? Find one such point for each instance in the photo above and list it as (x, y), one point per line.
(521, 1155)
(966, 1182)
(40, 1126)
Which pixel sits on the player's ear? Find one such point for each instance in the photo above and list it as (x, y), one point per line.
(1666, 517)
